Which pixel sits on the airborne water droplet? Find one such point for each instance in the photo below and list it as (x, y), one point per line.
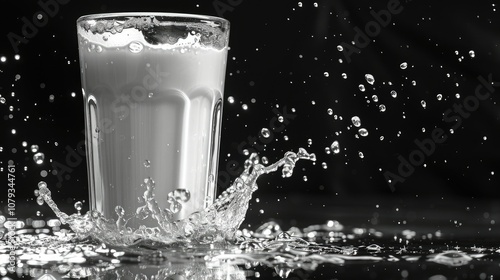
(439, 96)
(361, 155)
(147, 163)
(335, 147)
(329, 111)
(370, 79)
(230, 99)
(423, 103)
(356, 121)
(344, 75)
(403, 65)
(78, 206)
(265, 160)
(381, 108)
(394, 94)
(135, 47)
(340, 48)
(39, 200)
(472, 53)
(326, 74)
(34, 148)
(363, 132)
(361, 87)
(265, 133)
(375, 98)
(244, 106)
(38, 158)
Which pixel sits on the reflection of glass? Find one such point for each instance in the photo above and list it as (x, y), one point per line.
(153, 86)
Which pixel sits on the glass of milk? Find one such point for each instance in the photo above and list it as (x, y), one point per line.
(153, 89)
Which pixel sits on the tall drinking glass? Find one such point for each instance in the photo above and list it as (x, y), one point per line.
(153, 89)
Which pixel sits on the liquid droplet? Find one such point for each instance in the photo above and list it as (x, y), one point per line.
(326, 74)
(439, 96)
(335, 147)
(423, 103)
(175, 206)
(39, 200)
(2, 100)
(135, 47)
(356, 121)
(381, 108)
(265, 133)
(361, 155)
(344, 75)
(340, 48)
(403, 65)
(119, 211)
(265, 160)
(147, 163)
(363, 132)
(329, 111)
(394, 94)
(182, 195)
(230, 99)
(472, 53)
(78, 206)
(375, 98)
(38, 158)
(370, 79)
(244, 107)
(361, 87)
(34, 148)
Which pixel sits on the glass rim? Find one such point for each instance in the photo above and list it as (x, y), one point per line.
(187, 16)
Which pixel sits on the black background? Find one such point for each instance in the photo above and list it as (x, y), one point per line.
(280, 52)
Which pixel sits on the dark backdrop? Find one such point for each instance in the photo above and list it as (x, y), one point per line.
(285, 56)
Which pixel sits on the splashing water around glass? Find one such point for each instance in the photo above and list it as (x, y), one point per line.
(217, 223)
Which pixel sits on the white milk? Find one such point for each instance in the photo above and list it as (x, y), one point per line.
(151, 112)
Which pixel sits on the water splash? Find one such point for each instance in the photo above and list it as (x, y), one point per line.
(218, 223)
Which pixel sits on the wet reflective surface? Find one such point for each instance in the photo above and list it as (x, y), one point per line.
(329, 250)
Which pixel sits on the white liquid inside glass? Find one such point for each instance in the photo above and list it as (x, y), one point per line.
(151, 112)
